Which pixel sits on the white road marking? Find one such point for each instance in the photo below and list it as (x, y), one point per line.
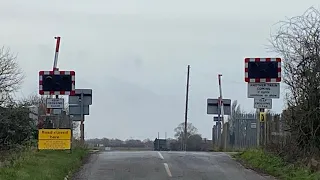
(166, 166)
(160, 155)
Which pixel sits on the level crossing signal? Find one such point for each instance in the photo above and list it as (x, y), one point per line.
(57, 82)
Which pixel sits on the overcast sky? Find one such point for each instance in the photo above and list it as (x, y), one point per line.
(134, 55)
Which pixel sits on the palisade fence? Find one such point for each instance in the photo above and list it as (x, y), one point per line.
(242, 131)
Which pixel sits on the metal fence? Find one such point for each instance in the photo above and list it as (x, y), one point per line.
(242, 131)
(216, 135)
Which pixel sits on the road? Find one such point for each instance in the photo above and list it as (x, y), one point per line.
(152, 165)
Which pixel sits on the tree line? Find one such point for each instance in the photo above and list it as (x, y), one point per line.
(114, 142)
(194, 142)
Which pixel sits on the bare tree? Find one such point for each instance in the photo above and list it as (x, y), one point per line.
(16, 127)
(297, 41)
(11, 75)
(179, 131)
(193, 138)
(33, 99)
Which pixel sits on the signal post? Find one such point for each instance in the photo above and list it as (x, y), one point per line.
(54, 83)
(263, 76)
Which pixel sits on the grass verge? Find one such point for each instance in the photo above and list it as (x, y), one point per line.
(40, 165)
(267, 163)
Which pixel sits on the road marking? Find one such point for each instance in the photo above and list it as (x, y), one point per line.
(160, 155)
(166, 166)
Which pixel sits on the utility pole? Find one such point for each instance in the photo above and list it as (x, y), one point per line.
(222, 114)
(186, 111)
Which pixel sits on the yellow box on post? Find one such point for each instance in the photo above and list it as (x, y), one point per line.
(54, 139)
(262, 116)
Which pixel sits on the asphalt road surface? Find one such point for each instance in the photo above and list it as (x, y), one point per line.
(153, 165)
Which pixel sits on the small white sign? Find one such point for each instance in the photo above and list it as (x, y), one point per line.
(264, 90)
(55, 103)
(262, 103)
(253, 125)
(56, 111)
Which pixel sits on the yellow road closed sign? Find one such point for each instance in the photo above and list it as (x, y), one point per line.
(55, 139)
(54, 134)
(262, 116)
(54, 144)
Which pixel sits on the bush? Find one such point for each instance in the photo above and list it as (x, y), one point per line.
(274, 165)
(16, 128)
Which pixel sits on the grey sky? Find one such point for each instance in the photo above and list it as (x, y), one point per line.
(134, 55)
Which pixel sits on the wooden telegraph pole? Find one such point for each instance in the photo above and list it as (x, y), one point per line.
(186, 111)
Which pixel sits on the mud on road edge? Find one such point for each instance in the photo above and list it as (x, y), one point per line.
(88, 159)
(248, 166)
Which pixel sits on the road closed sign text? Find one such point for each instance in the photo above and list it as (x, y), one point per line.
(54, 134)
(264, 90)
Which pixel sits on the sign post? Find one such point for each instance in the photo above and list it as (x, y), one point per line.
(79, 107)
(214, 108)
(263, 76)
(54, 83)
